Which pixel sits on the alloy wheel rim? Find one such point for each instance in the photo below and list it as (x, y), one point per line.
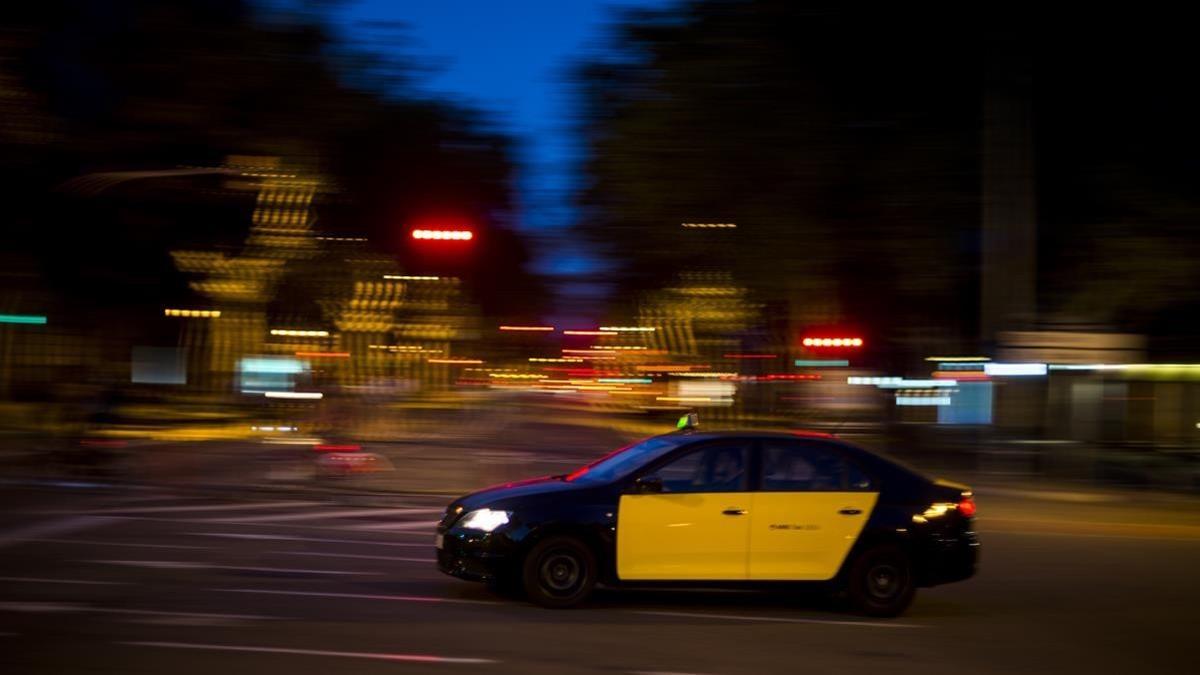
(884, 581)
(561, 572)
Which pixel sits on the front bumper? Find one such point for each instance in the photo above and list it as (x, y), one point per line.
(474, 556)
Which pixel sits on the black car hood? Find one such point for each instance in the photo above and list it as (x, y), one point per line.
(545, 485)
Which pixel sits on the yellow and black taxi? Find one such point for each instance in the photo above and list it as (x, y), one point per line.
(719, 507)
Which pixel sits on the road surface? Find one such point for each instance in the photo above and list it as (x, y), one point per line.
(127, 580)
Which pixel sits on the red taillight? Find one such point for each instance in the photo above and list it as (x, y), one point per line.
(326, 447)
(967, 507)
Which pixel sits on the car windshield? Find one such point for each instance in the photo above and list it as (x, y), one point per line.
(621, 462)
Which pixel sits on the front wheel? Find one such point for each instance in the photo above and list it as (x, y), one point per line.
(880, 582)
(559, 572)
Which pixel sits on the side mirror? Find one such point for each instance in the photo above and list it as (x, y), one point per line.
(647, 485)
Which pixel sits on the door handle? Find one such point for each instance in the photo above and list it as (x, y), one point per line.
(734, 512)
(850, 512)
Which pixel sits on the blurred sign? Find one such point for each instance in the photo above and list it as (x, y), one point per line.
(158, 365)
(1071, 347)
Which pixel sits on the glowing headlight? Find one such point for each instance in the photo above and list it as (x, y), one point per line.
(485, 520)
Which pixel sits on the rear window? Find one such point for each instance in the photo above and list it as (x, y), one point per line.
(809, 466)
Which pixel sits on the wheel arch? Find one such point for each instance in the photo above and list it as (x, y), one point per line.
(873, 539)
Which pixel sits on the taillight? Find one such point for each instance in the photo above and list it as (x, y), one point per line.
(328, 447)
(967, 507)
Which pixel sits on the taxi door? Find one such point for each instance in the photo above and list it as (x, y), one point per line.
(809, 509)
(698, 527)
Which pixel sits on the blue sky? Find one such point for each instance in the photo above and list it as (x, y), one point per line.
(511, 59)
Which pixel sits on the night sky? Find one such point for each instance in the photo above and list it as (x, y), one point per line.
(510, 59)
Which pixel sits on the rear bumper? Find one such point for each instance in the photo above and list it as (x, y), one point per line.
(948, 560)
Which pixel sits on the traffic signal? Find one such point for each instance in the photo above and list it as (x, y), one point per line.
(443, 235)
(844, 342)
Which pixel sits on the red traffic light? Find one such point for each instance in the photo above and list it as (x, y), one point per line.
(837, 342)
(444, 235)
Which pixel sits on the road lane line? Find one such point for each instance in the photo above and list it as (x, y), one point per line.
(190, 615)
(288, 537)
(324, 514)
(1086, 535)
(780, 619)
(186, 565)
(66, 607)
(363, 596)
(315, 554)
(42, 607)
(51, 528)
(376, 656)
(241, 506)
(336, 528)
(429, 526)
(1067, 526)
(118, 543)
(43, 580)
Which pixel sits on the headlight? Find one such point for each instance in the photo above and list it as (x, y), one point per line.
(484, 520)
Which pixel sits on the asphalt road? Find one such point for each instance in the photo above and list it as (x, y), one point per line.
(146, 581)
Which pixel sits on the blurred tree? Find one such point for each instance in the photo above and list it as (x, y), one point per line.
(844, 150)
(120, 85)
(846, 146)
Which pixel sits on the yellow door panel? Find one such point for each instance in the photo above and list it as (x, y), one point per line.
(804, 536)
(683, 536)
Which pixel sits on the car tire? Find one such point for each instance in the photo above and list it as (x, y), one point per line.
(559, 572)
(880, 582)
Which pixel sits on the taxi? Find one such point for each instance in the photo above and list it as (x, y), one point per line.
(723, 507)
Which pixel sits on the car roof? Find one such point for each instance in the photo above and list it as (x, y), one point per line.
(876, 458)
(751, 433)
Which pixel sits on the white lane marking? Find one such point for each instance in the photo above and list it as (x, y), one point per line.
(42, 607)
(288, 537)
(86, 542)
(394, 527)
(337, 528)
(377, 656)
(241, 506)
(185, 565)
(144, 615)
(4, 633)
(781, 619)
(62, 607)
(355, 556)
(362, 596)
(196, 615)
(51, 528)
(324, 514)
(43, 580)
(1087, 535)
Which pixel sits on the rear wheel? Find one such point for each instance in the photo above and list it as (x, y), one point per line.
(559, 572)
(880, 582)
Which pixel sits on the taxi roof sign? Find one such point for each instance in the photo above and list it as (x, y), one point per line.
(688, 421)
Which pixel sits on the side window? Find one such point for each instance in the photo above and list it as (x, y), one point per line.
(808, 466)
(717, 467)
(857, 480)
